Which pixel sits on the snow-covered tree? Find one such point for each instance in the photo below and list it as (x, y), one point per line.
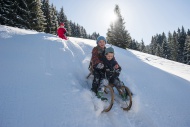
(159, 51)
(133, 44)
(83, 32)
(22, 14)
(95, 35)
(174, 47)
(54, 20)
(6, 11)
(164, 46)
(153, 46)
(14, 13)
(181, 44)
(169, 45)
(37, 18)
(117, 35)
(61, 16)
(72, 26)
(78, 31)
(47, 13)
(142, 46)
(186, 59)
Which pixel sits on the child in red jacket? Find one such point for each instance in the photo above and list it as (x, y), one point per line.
(61, 31)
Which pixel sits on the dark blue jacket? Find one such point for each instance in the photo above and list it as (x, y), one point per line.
(109, 68)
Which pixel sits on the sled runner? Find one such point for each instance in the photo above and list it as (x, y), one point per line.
(122, 95)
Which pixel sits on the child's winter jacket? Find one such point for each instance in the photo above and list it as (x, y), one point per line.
(61, 32)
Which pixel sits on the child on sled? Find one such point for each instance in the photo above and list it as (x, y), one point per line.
(105, 67)
(110, 72)
(61, 31)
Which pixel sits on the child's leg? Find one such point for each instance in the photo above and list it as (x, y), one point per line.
(96, 80)
(116, 81)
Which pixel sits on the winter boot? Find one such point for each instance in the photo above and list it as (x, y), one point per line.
(124, 96)
(122, 93)
(100, 94)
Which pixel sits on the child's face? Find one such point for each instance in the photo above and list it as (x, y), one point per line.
(109, 56)
(101, 43)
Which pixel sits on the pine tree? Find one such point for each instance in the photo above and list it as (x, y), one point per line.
(133, 44)
(68, 27)
(187, 49)
(37, 18)
(47, 13)
(117, 35)
(148, 49)
(75, 30)
(83, 32)
(159, 51)
(164, 46)
(174, 47)
(142, 46)
(181, 44)
(153, 46)
(72, 28)
(159, 39)
(95, 35)
(138, 46)
(78, 31)
(54, 20)
(110, 35)
(22, 14)
(14, 13)
(6, 11)
(61, 16)
(169, 45)
(89, 36)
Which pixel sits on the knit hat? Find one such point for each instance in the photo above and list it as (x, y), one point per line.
(101, 38)
(109, 50)
(62, 24)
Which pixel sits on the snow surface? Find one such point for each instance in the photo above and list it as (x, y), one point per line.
(43, 84)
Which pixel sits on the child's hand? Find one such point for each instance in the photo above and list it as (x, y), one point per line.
(116, 66)
(100, 66)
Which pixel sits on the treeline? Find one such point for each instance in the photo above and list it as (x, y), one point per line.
(39, 15)
(175, 46)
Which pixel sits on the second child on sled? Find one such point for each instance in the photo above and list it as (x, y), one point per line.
(105, 68)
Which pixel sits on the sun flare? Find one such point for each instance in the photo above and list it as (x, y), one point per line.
(111, 17)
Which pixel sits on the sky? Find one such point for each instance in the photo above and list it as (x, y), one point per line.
(143, 18)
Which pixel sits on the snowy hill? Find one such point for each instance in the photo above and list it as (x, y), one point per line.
(43, 84)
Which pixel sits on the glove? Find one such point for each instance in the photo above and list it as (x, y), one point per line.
(100, 66)
(117, 70)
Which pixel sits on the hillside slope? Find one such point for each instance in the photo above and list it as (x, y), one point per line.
(43, 84)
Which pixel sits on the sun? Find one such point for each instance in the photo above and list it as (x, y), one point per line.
(112, 17)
